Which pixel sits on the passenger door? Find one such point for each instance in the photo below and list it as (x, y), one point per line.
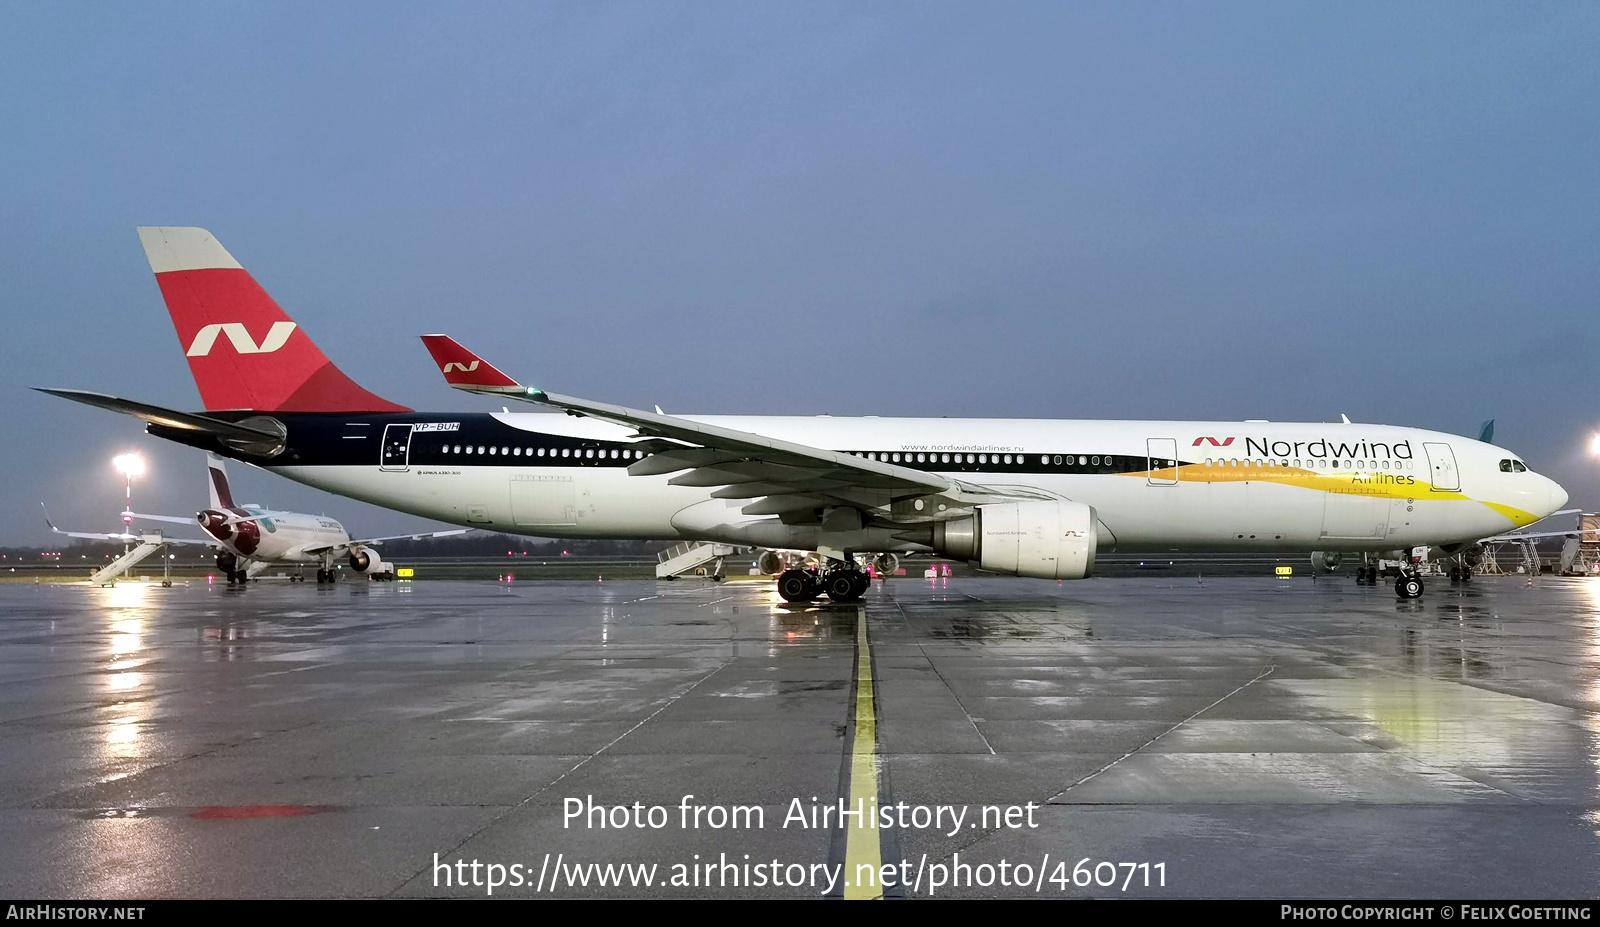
(396, 454)
(1161, 461)
(1442, 466)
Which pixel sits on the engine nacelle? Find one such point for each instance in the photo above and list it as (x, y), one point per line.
(1326, 561)
(367, 561)
(1045, 539)
(885, 564)
(770, 563)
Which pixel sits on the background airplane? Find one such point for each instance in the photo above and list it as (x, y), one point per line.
(251, 539)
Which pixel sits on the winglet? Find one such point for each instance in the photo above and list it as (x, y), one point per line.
(465, 370)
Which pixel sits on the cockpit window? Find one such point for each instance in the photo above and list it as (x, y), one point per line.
(1505, 466)
(1519, 466)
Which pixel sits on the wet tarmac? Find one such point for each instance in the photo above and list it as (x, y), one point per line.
(1255, 737)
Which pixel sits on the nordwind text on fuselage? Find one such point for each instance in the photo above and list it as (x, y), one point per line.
(1322, 447)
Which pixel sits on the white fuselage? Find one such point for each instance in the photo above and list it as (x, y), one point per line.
(1238, 485)
(281, 538)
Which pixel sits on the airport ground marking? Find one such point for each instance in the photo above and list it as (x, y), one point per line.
(861, 842)
(673, 700)
(1268, 671)
(931, 665)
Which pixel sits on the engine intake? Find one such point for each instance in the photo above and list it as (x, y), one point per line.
(367, 561)
(1045, 539)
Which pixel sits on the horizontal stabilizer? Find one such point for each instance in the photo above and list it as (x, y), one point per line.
(168, 418)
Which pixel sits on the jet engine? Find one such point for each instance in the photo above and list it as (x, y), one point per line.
(1046, 539)
(1326, 561)
(227, 562)
(367, 561)
(770, 563)
(885, 564)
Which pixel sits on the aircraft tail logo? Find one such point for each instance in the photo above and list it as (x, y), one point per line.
(457, 366)
(239, 337)
(213, 300)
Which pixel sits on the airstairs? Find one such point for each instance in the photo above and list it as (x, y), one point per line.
(693, 557)
(148, 544)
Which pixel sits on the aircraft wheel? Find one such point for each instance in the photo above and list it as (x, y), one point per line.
(322, 577)
(1466, 575)
(1408, 587)
(863, 583)
(796, 586)
(844, 585)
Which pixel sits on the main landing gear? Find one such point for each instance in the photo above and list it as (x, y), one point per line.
(327, 576)
(841, 583)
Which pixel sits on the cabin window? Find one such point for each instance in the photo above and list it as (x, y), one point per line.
(566, 452)
(944, 458)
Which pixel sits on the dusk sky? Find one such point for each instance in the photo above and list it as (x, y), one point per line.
(1064, 210)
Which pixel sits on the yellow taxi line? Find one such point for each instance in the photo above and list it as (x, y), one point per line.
(861, 841)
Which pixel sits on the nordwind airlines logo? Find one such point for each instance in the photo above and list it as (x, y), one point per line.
(458, 367)
(239, 337)
(1214, 442)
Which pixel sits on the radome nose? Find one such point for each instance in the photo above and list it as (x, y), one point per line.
(1557, 497)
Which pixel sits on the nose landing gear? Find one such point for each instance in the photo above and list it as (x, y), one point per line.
(1408, 585)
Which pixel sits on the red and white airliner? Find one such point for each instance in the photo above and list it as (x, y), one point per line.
(1025, 497)
(251, 540)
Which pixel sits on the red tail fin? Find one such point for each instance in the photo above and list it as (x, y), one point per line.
(244, 351)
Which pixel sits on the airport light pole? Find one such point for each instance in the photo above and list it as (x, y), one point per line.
(130, 466)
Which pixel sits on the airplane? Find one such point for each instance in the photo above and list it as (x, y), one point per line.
(1037, 498)
(250, 539)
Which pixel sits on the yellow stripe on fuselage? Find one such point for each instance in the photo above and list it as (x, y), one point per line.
(1355, 483)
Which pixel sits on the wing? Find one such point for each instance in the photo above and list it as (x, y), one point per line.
(125, 536)
(372, 542)
(174, 519)
(779, 477)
